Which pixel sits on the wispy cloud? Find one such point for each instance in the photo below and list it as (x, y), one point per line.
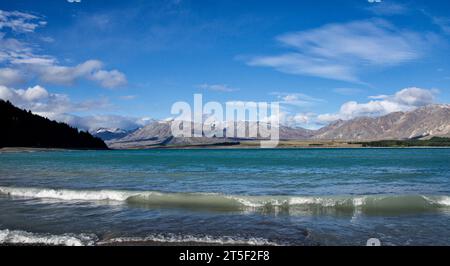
(343, 51)
(19, 21)
(128, 97)
(443, 23)
(296, 99)
(388, 8)
(217, 87)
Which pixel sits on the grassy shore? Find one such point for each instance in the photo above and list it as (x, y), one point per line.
(434, 142)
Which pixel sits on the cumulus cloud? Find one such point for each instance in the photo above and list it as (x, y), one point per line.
(298, 119)
(55, 74)
(340, 51)
(404, 100)
(52, 73)
(40, 101)
(109, 79)
(25, 64)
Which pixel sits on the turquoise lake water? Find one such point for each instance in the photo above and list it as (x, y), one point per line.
(235, 196)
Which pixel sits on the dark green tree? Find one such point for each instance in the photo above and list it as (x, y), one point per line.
(21, 128)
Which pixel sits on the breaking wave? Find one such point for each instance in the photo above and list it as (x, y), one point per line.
(18, 237)
(220, 202)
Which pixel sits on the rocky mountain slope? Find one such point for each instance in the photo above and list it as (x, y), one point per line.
(159, 133)
(431, 120)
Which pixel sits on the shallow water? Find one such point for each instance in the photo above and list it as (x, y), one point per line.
(284, 197)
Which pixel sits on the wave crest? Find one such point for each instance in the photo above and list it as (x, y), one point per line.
(237, 202)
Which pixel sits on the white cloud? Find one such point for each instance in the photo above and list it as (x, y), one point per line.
(296, 99)
(341, 51)
(59, 107)
(49, 71)
(19, 21)
(415, 97)
(24, 64)
(94, 122)
(109, 79)
(74, 1)
(301, 119)
(40, 101)
(9, 76)
(55, 74)
(298, 64)
(217, 87)
(404, 100)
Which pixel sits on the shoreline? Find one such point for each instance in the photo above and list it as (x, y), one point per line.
(207, 147)
(33, 149)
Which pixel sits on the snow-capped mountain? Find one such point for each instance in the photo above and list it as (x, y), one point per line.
(111, 133)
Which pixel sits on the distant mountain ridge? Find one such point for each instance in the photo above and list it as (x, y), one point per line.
(111, 133)
(428, 121)
(21, 128)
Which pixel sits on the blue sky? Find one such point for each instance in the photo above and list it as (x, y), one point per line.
(117, 63)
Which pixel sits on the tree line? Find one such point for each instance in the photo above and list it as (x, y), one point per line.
(21, 128)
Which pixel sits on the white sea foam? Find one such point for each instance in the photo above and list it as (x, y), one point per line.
(64, 194)
(23, 237)
(357, 202)
(173, 238)
(320, 201)
(439, 200)
(19, 237)
(445, 201)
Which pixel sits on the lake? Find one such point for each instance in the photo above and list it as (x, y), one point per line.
(226, 196)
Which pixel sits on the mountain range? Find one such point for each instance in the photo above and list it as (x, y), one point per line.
(424, 122)
(111, 133)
